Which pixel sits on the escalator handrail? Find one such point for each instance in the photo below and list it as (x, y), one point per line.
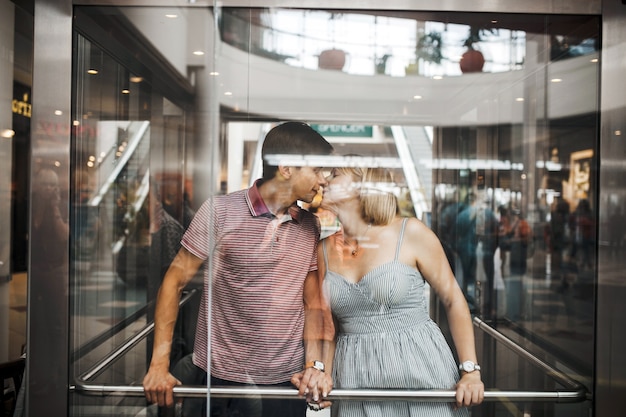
(555, 374)
(109, 333)
(120, 164)
(117, 353)
(574, 391)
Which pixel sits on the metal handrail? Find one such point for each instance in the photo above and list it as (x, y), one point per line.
(574, 391)
(337, 394)
(555, 374)
(133, 143)
(109, 333)
(116, 353)
(188, 391)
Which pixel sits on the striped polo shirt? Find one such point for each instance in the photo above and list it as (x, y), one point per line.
(258, 263)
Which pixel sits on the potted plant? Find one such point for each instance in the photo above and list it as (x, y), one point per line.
(333, 59)
(381, 64)
(473, 60)
(428, 49)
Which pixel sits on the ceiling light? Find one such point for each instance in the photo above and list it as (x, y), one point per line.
(556, 80)
(135, 79)
(519, 99)
(92, 71)
(171, 16)
(58, 112)
(417, 97)
(198, 53)
(125, 91)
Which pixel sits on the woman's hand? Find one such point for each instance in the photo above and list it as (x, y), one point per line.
(470, 390)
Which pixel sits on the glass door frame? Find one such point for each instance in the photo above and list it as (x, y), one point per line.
(52, 106)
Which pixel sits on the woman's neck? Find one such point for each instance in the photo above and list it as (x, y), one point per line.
(353, 225)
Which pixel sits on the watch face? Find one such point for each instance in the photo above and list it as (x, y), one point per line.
(469, 366)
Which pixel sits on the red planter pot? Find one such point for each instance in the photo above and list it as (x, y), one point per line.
(472, 61)
(334, 59)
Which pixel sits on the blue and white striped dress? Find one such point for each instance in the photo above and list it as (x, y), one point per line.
(386, 340)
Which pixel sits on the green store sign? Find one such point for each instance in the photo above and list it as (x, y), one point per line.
(359, 131)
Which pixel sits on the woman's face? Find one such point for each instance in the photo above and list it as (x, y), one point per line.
(340, 188)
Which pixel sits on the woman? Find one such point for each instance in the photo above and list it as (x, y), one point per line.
(374, 274)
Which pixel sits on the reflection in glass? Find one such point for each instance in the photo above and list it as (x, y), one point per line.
(524, 145)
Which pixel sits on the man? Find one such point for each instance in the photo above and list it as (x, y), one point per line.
(477, 227)
(260, 281)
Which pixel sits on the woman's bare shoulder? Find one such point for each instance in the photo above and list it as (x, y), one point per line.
(418, 233)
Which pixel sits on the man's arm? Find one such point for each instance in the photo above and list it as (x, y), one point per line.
(319, 334)
(159, 383)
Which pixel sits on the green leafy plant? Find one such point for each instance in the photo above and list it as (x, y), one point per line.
(429, 47)
(476, 35)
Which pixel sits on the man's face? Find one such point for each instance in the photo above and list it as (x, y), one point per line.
(47, 183)
(307, 182)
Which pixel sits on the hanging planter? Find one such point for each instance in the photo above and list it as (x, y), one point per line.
(334, 59)
(473, 60)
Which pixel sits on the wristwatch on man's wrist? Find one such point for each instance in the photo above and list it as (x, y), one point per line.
(319, 365)
(469, 366)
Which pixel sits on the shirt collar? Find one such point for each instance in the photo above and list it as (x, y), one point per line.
(258, 208)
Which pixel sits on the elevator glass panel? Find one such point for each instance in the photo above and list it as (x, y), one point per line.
(518, 133)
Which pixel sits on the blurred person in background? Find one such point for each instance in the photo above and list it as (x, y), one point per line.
(477, 240)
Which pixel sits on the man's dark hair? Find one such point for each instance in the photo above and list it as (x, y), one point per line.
(291, 138)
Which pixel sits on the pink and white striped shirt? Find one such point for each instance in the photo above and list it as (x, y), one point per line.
(258, 263)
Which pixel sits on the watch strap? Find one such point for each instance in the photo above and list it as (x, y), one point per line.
(319, 365)
(469, 366)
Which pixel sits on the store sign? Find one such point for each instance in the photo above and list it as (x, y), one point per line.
(22, 106)
(352, 131)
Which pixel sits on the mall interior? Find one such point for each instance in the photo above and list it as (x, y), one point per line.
(116, 115)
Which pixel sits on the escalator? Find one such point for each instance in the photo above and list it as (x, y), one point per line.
(122, 188)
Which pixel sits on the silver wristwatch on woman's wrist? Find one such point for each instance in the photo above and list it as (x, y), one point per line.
(469, 366)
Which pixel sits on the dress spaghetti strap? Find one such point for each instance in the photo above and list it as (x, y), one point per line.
(400, 238)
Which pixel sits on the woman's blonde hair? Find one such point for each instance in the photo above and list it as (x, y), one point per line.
(379, 204)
